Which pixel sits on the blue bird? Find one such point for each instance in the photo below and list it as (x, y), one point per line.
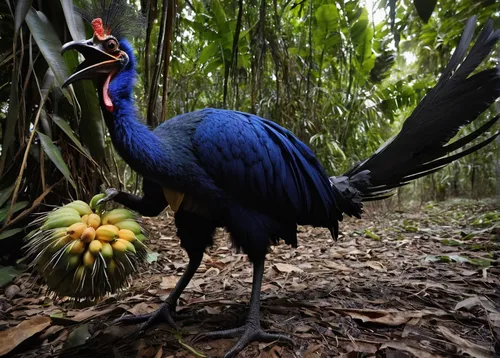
(223, 168)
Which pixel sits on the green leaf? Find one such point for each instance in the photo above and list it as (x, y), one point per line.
(425, 8)
(208, 52)
(17, 206)
(327, 17)
(11, 120)
(372, 235)
(65, 127)
(22, 8)
(220, 17)
(8, 233)
(73, 20)
(55, 156)
(8, 273)
(50, 47)
(5, 194)
(152, 257)
(91, 123)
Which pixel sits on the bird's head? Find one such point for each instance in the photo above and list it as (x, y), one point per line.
(107, 54)
(104, 58)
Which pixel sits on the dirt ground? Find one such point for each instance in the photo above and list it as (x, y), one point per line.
(414, 281)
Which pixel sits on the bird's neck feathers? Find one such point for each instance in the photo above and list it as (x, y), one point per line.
(134, 141)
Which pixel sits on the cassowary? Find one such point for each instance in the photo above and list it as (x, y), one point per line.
(223, 168)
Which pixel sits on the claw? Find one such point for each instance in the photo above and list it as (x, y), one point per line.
(163, 314)
(249, 333)
(110, 194)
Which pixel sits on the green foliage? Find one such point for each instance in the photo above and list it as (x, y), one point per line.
(342, 82)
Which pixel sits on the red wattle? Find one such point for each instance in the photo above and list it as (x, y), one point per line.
(107, 100)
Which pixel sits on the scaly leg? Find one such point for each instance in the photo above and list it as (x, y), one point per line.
(251, 331)
(164, 313)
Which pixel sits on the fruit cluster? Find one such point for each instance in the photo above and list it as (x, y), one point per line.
(83, 252)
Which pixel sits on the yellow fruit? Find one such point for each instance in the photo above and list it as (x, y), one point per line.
(129, 224)
(119, 247)
(129, 246)
(94, 221)
(126, 235)
(76, 230)
(76, 247)
(80, 206)
(107, 251)
(95, 247)
(106, 232)
(85, 219)
(88, 259)
(116, 215)
(95, 199)
(88, 235)
(63, 220)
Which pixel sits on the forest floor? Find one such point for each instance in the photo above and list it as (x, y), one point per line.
(416, 281)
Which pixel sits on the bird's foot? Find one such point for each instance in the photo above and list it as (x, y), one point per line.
(248, 333)
(164, 314)
(110, 194)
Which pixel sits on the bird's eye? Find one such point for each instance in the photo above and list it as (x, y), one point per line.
(111, 45)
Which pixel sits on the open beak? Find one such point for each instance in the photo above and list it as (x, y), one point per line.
(97, 62)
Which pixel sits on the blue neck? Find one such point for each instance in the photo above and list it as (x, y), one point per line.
(134, 141)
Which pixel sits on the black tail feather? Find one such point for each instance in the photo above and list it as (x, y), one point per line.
(421, 147)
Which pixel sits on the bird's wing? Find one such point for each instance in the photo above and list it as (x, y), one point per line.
(421, 148)
(260, 164)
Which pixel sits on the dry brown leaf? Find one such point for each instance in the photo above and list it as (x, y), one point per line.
(12, 337)
(389, 318)
(361, 347)
(336, 266)
(93, 313)
(168, 282)
(476, 301)
(463, 345)
(406, 347)
(286, 268)
(141, 308)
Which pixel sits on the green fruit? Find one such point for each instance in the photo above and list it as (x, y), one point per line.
(72, 262)
(61, 221)
(95, 199)
(131, 225)
(82, 207)
(116, 215)
(61, 212)
(107, 251)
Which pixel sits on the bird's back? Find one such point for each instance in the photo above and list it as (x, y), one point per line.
(259, 167)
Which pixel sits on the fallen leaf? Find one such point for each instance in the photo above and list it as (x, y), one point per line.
(463, 345)
(336, 266)
(287, 268)
(168, 282)
(406, 347)
(389, 318)
(476, 301)
(12, 337)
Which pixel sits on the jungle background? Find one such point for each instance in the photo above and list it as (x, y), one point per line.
(342, 75)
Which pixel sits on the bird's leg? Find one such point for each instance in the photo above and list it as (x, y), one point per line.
(251, 331)
(165, 312)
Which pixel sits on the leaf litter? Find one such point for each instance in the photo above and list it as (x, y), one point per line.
(415, 283)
